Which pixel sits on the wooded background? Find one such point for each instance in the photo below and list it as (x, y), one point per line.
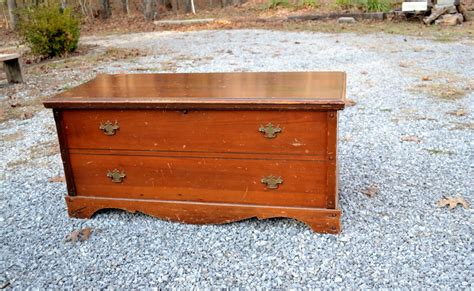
(151, 9)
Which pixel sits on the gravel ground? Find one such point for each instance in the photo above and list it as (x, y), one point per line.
(398, 238)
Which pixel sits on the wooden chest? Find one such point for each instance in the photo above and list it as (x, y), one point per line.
(204, 148)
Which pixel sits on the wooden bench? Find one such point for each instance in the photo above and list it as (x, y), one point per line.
(11, 64)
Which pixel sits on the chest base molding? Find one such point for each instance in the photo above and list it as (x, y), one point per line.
(319, 219)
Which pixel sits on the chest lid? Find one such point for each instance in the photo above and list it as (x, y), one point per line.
(256, 90)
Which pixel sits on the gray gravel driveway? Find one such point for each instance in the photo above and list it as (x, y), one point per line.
(409, 136)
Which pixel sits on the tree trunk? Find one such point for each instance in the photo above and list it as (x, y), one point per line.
(12, 14)
(192, 7)
(125, 7)
(174, 6)
(106, 9)
(187, 6)
(149, 10)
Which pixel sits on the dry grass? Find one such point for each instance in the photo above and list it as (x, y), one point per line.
(16, 163)
(439, 152)
(409, 28)
(13, 109)
(459, 112)
(441, 91)
(87, 59)
(443, 85)
(115, 54)
(462, 126)
(12, 137)
(39, 150)
(44, 149)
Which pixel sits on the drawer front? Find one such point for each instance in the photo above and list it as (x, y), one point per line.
(276, 132)
(202, 179)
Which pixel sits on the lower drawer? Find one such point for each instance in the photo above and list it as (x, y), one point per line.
(202, 179)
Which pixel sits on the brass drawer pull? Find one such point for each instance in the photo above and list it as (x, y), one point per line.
(116, 176)
(272, 182)
(109, 128)
(269, 130)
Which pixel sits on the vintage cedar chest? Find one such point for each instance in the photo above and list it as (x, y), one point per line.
(204, 147)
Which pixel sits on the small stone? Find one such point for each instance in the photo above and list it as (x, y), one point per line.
(346, 20)
(261, 243)
(338, 279)
(344, 238)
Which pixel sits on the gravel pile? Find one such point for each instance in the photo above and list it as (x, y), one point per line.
(398, 238)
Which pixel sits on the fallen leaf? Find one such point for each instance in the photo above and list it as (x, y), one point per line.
(371, 191)
(350, 102)
(14, 103)
(346, 138)
(452, 202)
(73, 237)
(26, 115)
(411, 138)
(426, 78)
(222, 22)
(459, 112)
(86, 233)
(403, 65)
(79, 235)
(57, 179)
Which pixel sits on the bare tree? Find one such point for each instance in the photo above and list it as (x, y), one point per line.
(86, 7)
(106, 9)
(125, 7)
(12, 13)
(174, 6)
(149, 10)
(193, 10)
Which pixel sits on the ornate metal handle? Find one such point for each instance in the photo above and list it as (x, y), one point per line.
(109, 128)
(269, 130)
(272, 182)
(116, 176)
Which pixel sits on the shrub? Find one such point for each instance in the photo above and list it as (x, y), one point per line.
(376, 5)
(272, 4)
(310, 3)
(49, 30)
(345, 4)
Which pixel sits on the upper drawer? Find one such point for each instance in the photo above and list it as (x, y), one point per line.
(285, 132)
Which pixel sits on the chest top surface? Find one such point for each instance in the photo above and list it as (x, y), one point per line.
(257, 90)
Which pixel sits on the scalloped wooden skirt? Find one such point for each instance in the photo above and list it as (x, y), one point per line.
(320, 220)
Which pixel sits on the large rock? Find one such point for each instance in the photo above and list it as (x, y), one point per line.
(435, 13)
(450, 19)
(465, 13)
(346, 20)
(469, 4)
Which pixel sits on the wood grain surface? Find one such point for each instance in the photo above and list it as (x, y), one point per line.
(202, 179)
(303, 132)
(320, 220)
(257, 90)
